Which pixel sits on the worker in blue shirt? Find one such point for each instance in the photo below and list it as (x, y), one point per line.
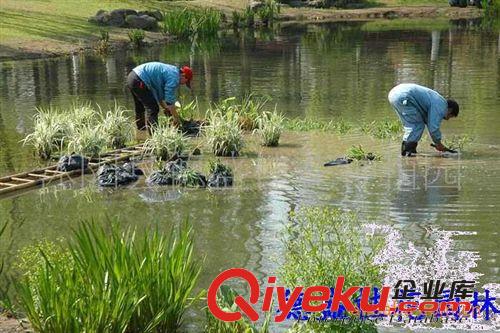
(155, 84)
(418, 106)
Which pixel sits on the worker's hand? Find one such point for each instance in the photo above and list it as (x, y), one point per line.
(440, 147)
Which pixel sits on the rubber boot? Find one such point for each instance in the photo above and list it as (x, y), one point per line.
(408, 149)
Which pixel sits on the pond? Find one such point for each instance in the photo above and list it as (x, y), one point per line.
(319, 71)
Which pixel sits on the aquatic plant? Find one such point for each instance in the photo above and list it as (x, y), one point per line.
(223, 133)
(103, 46)
(249, 17)
(136, 37)
(237, 19)
(225, 300)
(186, 22)
(190, 178)
(358, 153)
(341, 126)
(48, 133)
(322, 243)
(269, 12)
(270, 128)
(188, 110)
(249, 110)
(306, 124)
(220, 175)
(165, 142)
(117, 127)
(87, 140)
(80, 115)
(112, 282)
(383, 129)
(458, 141)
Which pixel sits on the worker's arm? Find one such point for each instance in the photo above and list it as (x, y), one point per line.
(172, 111)
(170, 92)
(435, 117)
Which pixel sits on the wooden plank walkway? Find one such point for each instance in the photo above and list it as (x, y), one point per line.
(44, 176)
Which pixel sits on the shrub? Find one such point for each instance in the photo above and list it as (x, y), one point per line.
(270, 128)
(223, 133)
(249, 17)
(116, 282)
(323, 243)
(118, 128)
(165, 142)
(136, 37)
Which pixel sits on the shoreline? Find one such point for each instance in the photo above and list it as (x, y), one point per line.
(28, 50)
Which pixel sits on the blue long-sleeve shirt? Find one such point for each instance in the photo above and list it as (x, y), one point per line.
(161, 79)
(418, 105)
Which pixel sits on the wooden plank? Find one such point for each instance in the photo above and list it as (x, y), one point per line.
(22, 179)
(38, 175)
(50, 173)
(8, 184)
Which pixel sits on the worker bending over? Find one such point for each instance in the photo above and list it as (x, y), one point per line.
(153, 84)
(418, 106)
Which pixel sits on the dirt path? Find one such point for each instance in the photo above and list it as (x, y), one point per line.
(9, 325)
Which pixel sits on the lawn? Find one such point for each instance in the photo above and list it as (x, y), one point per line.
(60, 26)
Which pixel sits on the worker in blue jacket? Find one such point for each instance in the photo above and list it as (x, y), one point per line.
(418, 106)
(155, 84)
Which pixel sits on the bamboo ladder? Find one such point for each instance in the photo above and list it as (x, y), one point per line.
(44, 176)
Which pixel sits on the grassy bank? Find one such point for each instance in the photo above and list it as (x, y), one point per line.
(33, 28)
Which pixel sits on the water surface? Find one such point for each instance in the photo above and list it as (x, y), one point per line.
(317, 71)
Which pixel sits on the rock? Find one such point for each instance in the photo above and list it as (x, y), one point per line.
(72, 162)
(141, 22)
(156, 14)
(196, 152)
(123, 13)
(101, 18)
(115, 175)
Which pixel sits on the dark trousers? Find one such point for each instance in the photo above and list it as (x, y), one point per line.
(146, 106)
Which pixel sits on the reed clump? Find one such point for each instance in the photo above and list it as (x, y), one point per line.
(223, 132)
(81, 129)
(117, 127)
(184, 23)
(165, 142)
(270, 127)
(111, 282)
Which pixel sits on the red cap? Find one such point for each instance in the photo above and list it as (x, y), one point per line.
(188, 74)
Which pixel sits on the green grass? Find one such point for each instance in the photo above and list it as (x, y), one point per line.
(185, 22)
(110, 282)
(407, 24)
(88, 140)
